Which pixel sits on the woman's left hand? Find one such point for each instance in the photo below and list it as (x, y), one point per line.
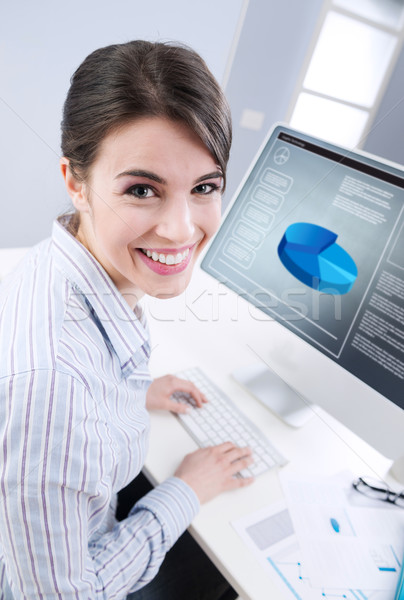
(161, 389)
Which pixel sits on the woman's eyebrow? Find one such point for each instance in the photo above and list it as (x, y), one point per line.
(158, 179)
(213, 175)
(141, 173)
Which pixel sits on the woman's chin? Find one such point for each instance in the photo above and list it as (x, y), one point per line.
(170, 289)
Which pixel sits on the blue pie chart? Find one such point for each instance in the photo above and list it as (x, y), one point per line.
(310, 253)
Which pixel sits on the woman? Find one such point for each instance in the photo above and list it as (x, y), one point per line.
(145, 142)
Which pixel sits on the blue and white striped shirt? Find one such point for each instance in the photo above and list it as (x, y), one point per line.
(74, 431)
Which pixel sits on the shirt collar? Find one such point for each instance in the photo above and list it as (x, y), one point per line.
(125, 329)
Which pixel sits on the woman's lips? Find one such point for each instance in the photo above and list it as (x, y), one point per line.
(166, 262)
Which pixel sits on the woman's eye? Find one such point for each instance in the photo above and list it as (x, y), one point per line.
(205, 188)
(140, 191)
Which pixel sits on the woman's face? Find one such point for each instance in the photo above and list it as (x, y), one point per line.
(151, 203)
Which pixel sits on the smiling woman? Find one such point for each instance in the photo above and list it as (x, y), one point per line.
(145, 139)
(150, 203)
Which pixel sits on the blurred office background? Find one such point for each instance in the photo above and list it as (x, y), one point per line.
(334, 68)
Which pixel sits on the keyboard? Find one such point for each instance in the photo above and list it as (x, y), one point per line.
(219, 420)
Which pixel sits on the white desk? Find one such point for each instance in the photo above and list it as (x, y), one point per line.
(211, 328)
(9, 258)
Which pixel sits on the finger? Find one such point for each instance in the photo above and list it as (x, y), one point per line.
(241, 464)
(236, 453)
(178, 407)
(183, 385)
(225, 447)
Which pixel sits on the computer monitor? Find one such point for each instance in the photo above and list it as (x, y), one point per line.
(314, 238)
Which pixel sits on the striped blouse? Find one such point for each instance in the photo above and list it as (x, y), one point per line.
(74, 431)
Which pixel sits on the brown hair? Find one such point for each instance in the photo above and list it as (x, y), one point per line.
(119, 83)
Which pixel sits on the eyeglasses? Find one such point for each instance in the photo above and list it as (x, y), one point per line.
(372, 488)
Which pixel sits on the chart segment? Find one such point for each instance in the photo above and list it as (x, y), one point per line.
(310, 253)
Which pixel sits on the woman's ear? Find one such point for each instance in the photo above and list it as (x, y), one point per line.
(75, 188)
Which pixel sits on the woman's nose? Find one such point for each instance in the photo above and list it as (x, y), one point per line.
(176, 221)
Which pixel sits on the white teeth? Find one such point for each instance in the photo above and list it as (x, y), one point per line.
(167, 259)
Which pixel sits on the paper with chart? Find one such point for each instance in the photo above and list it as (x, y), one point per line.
(343, 544)
(271, 536)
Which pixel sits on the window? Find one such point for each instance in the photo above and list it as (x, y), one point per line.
(347, 69)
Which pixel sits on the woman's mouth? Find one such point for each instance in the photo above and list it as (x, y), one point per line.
(166, 259)
(166, 262)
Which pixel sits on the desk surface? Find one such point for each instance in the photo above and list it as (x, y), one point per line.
(9, 258)
(212, 329)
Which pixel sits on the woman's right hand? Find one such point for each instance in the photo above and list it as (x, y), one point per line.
(210, 471)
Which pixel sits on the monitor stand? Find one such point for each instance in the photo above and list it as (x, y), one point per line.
(275, 394)
(286, 403)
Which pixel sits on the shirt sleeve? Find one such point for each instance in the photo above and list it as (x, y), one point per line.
(56, 487)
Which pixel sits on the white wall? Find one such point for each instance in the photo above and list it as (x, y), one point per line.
(41, 44)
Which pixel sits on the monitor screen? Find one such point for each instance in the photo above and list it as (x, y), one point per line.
(315, 239)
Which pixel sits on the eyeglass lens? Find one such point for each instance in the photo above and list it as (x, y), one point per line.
(376, 489)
